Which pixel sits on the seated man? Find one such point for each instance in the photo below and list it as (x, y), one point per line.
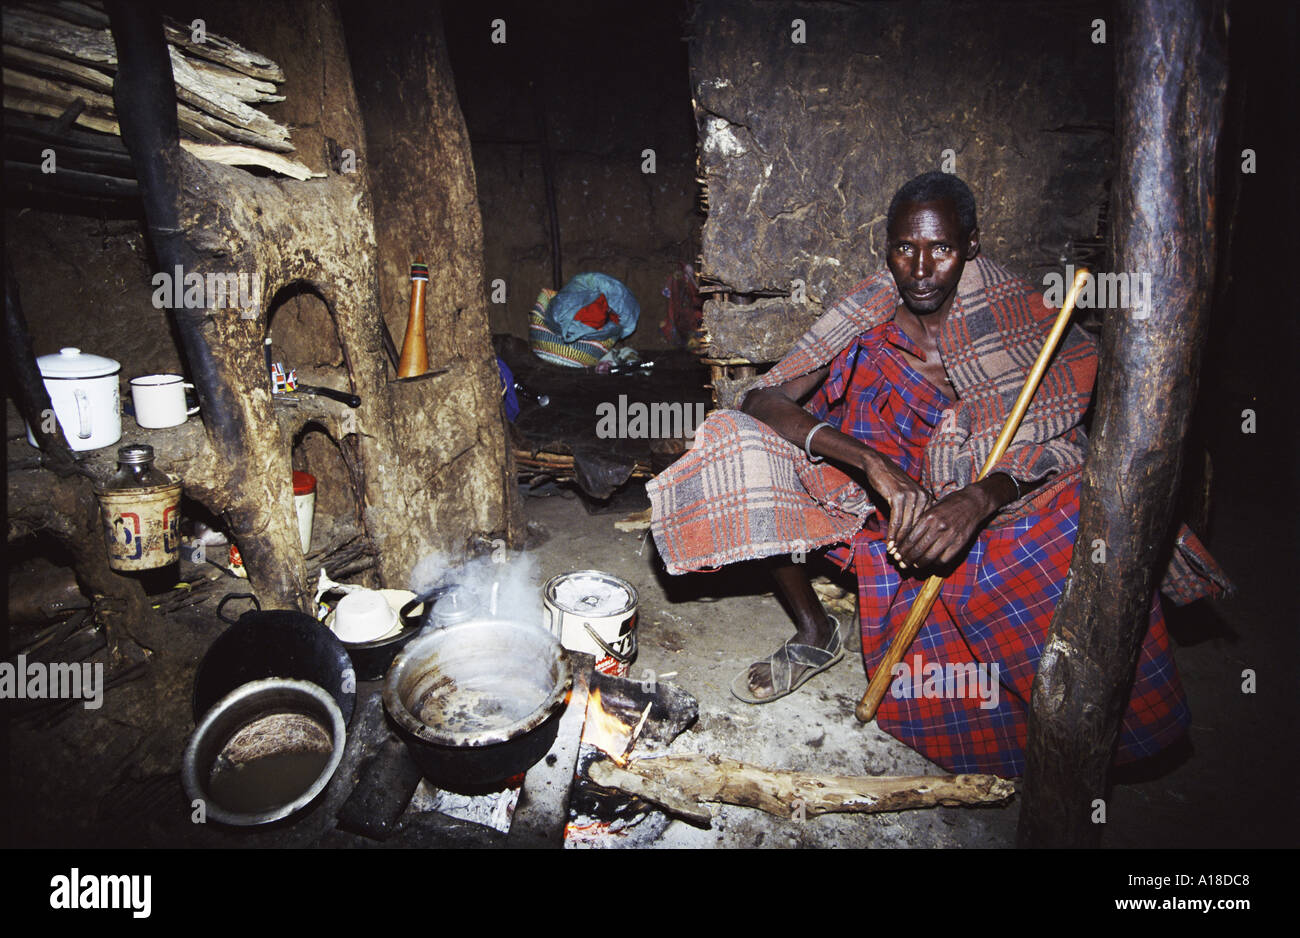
(908, 381)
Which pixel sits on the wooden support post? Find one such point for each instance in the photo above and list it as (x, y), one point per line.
(29, 391)
(146, 107)
(548, 178)
(1170, 84)
(223, 360)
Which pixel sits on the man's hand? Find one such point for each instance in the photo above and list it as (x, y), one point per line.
(906, 499)
(944, 529)
(948, 525)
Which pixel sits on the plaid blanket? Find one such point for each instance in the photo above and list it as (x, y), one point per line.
(989, 342)
(963, 699)
(744, 492)
(992, 617)
(989, 626)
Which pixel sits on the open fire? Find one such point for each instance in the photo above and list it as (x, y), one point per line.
(607, 732)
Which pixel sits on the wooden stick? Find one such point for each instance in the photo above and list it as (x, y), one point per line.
(30, 149)
(29, 176)
(924, 601)
(679, 783)
(640, 725)
(232, 155)
(87, 25)
(242, 87)
(223, 51)
(34, 95)
(32, 30)
(611, 776)
(197, 90)
(214, 94)
(33, 61)
(81, 14)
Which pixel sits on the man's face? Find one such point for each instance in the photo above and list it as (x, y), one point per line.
(927, 253)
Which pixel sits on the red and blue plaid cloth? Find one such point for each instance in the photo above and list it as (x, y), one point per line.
(993, 611)
(988, 341)
(744, 492)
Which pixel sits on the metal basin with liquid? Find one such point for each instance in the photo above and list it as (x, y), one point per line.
(479, 702)
(264, 751)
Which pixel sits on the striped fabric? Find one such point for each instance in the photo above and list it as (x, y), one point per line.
(744, 492)
(549, 345)
(989, 342)
(993, 611)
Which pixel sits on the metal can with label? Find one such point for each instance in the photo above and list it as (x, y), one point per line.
(593, 612)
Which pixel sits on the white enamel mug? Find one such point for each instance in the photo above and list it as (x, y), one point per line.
(160, 401)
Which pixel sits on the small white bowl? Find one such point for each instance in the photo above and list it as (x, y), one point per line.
(363, 616)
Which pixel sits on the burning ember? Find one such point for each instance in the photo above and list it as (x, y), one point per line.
(600, 816)
(606, 732)
(618, 712)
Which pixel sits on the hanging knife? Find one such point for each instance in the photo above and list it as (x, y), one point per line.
(343, 396)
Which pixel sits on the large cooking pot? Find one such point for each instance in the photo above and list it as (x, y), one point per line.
(84, 394)
(479, 702)
(278, 643)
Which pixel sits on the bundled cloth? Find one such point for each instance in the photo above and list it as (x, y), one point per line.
(594, 308)
(550, 346)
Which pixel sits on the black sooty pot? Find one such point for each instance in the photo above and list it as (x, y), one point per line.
(372, 659)
(479, 702)
(274, 643)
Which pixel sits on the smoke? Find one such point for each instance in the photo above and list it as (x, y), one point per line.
(509, 577)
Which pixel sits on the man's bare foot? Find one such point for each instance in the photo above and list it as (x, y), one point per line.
(814, 647)
(808, 652)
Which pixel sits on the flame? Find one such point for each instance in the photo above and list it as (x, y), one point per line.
(606, 731)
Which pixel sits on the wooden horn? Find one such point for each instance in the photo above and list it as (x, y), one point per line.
(415, 356)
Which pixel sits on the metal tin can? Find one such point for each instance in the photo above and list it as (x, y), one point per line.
(142, 525)
(593, 612)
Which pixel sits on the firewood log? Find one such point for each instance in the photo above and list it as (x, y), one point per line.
(215, 95)
(216, 49)
(695, 778)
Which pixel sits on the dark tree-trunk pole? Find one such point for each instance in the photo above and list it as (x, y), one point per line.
(1170, 84)
(29, 390)
(145, 95)
(548, 179)
(254, 474)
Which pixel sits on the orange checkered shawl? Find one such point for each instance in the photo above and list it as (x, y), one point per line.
(993, 335)
(704, 504)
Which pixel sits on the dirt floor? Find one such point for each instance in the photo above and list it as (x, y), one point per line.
(704, 629)
(108, 777)
(1228, 787)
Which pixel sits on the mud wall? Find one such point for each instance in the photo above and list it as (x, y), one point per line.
(419, 466)
(811, 115)
(610, 82)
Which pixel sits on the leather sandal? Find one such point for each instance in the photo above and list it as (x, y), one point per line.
(782, 662)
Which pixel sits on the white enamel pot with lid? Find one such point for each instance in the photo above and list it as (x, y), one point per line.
(83, 390)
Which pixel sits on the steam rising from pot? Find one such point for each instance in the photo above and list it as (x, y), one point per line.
(505, 579)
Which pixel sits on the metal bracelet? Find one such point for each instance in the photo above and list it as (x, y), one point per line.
(1016, 483)
(808, 440)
